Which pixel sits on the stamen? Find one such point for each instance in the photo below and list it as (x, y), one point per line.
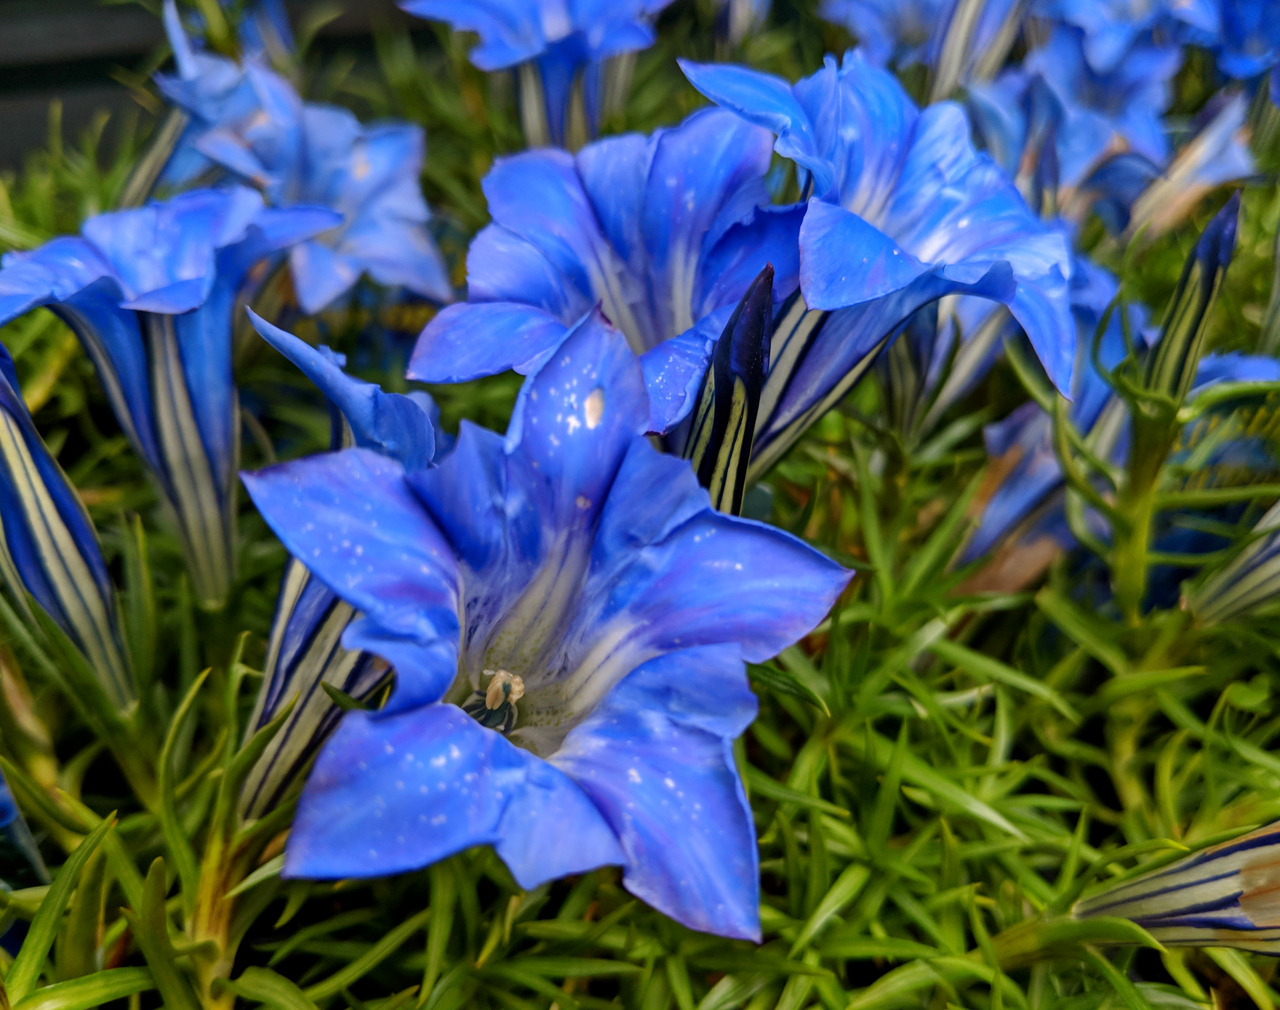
(496, 707)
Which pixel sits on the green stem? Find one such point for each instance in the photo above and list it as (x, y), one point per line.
(1137, 504)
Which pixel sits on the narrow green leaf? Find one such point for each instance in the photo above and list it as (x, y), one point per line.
(1087, 632)
(26, 968)
(270, 989)
(77, 943)
(175, 835)
(987, 669)
(150, 926)
(853, 878)
(90, 991)
(369, 960)
(781, 681)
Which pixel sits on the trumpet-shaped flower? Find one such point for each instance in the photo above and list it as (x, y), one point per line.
(305, 153)
(555, 46)
(567, 618)
(1111, 27)
(211, 90)
(305, 648)
(1094, 114)
(49, 548)
(904, 212)
(1247, 41)
(1222, 896)
(249, 122)
(150, 292)
(664, 232)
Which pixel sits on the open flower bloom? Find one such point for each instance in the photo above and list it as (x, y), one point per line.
(211, 90)
(1056, 105)
(1222, 896)
(1247, 41)
(306, 153)
(49, 548)
(664, 232)
(567, 618)
(1111, 27)
(305, 648)
(904, 212)
(1216, 154)
(1028, 498)
(557, 47)
(150, 293)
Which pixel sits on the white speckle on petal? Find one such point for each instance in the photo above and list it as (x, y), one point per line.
(593, 409)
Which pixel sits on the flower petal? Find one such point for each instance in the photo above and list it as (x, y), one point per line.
(391, 423)
(399, 792)
(475, 339)
(670, 789)
(383, 555)
(767, 101)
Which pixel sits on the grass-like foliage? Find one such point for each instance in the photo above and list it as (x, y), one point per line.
(942, 774)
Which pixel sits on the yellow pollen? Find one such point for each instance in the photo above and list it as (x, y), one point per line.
(503, 687)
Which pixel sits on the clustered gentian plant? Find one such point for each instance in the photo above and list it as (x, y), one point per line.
(595, 708)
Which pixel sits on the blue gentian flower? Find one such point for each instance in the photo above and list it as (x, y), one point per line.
(664, 232)
(1216, 154)
(1099, 113)
(1027, 503)
(150, 292)
(1022, 443)
(904, 212)
(306, 153)
(567, 618)
(556, 46)
(888, 32)
(211, 90)
(305, 650)
(1111, 27)
(49, 548)
(1222, 896)
(1247, 41)
(265, 33)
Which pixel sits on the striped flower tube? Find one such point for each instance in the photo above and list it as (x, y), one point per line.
(151, 292)
(306, 648)
(1227, 895)
(49, 549)
(1247, 581)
